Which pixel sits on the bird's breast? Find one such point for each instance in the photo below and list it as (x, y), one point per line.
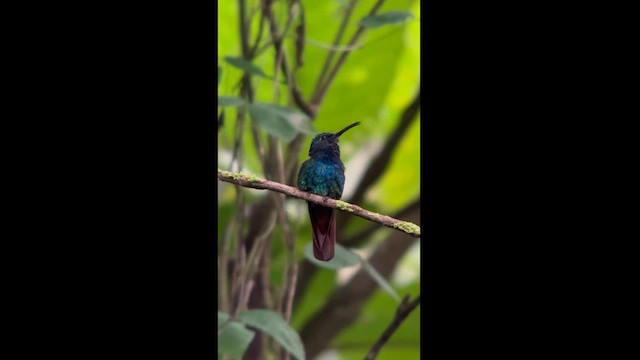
(322, 178)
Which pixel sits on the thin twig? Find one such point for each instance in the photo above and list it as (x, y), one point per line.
(223, 269)
(254, 182)
(361, 237)
(281, 60)
(333, 48)
(336, 42)
(293, 158)
(321, 89)
(401, 313)
(260, 31)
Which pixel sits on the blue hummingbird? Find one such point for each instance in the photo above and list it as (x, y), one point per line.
(323, 174)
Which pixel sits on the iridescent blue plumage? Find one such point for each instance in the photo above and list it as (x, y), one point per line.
(323, 174)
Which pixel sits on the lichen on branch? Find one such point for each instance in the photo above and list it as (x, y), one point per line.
(252, 181)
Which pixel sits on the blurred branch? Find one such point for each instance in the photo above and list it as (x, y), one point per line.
(292, 161)
(379, 164)
(282, 60)
(260, 30)
(300, 36)
(321, 90)
(244, 29)
(401, 313)
(257, 183)
(336, 42)
(345, 304)
(362, 236)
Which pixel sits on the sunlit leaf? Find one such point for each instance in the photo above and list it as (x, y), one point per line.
(299, 120)
(272, 324)
(245, 65)
(230, 101)
(278, 121)
(391, 17)
(342, 258)
(219, 74)
(234, 340)
(345, 258)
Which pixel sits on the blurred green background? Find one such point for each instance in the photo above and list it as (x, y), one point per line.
(374, 86)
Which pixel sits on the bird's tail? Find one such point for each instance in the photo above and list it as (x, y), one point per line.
(323, 227)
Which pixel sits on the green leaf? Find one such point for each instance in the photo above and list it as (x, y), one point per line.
(300, 121)
(234, 339)
(222, 317)
(342, 258)
(272, 324)
(380, 280)
(230, 101)
(246, 66)
(279, 121)
(345, 258)
(391, 17)
(219, 74)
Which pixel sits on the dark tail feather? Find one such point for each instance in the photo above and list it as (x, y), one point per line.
(323, 227)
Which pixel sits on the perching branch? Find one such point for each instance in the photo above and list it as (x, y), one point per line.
(254, 182)
(401, 313)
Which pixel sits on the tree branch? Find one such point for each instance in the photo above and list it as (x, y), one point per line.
(401, 313)
(254, 182)
(361, 237)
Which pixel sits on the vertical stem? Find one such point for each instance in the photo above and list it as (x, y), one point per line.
(319, 95)
(223, 267)
(336, 41)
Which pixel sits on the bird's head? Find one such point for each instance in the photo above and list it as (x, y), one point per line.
(326, 144)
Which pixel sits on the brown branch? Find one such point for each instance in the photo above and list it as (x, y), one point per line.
(401, 313)
(276, 41)
(257, 183)
(300, 36)
(244, 29)
(359, 238)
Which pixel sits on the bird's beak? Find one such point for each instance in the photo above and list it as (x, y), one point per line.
(347, 128)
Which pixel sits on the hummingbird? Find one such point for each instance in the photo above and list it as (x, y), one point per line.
(323, 174)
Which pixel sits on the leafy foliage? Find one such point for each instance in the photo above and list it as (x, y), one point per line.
(245, 65)
(391, 17)
(281, 122)
(234, 339)
(345, 258)
(342, 258)
(377, 81)
(230, 101)
(272, 324)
